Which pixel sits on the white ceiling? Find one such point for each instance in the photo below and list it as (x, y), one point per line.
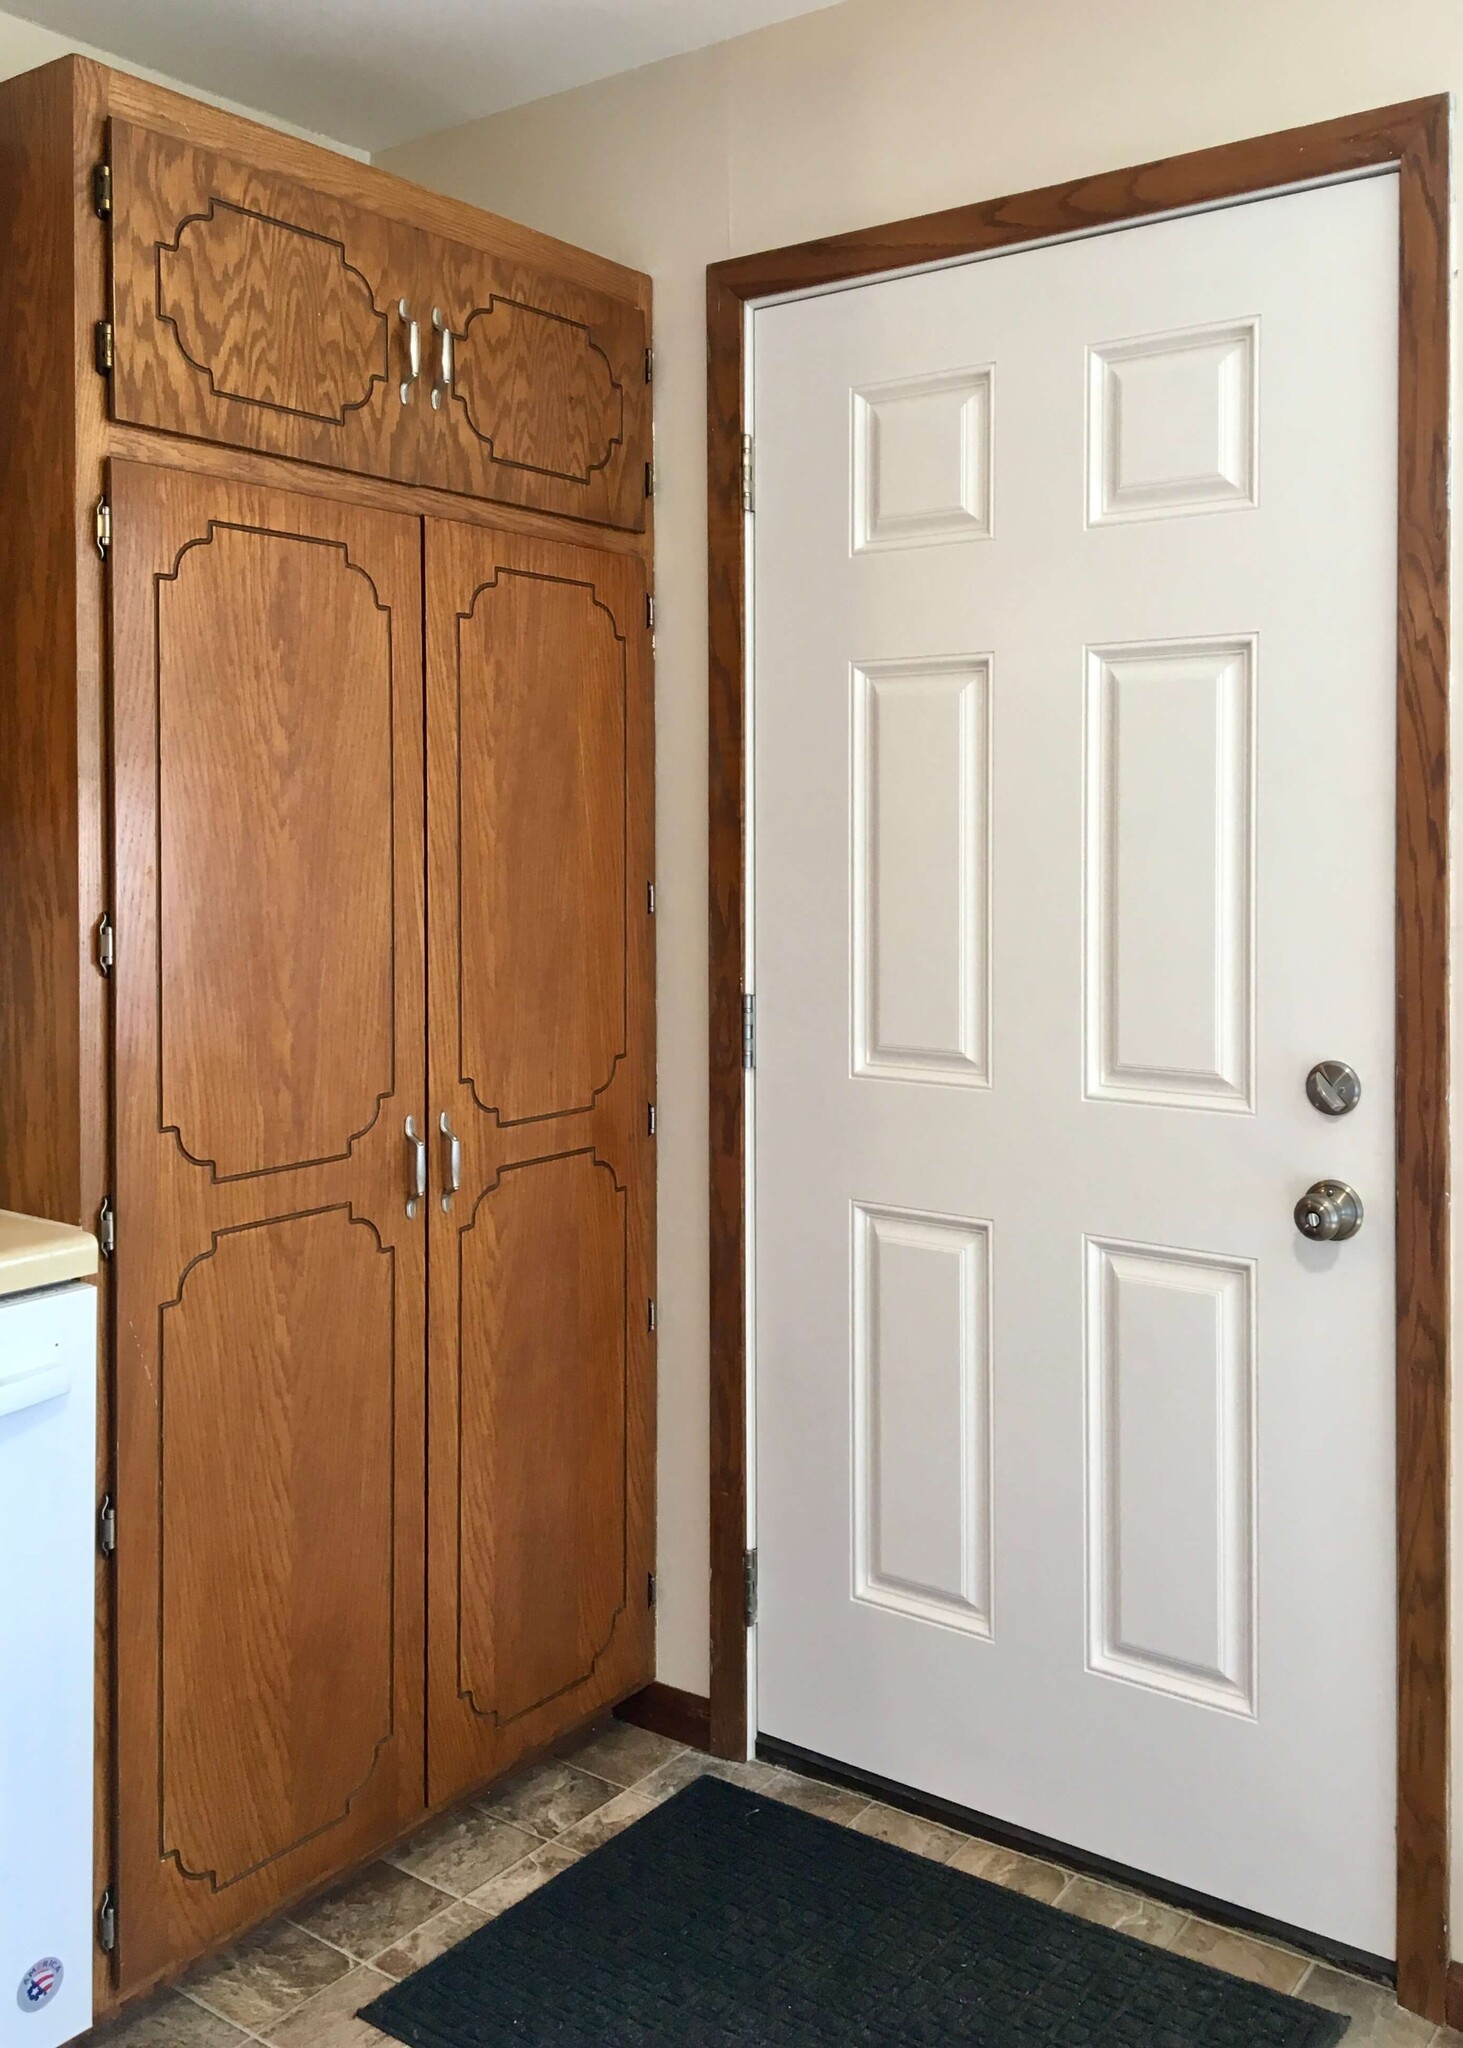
(375, 72)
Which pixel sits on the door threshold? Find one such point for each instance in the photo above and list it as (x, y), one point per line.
(927, 1806)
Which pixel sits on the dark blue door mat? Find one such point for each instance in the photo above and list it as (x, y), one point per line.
(726, 1917)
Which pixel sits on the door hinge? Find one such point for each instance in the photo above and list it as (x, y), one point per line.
(107, 1526)
(650, 899)
(650, 366)
(650, 479)
(749, 1032)
(749, 1585)
(650, 1589)
(650, 1119)
(101, 189)
(106, 1228)
(103, 528)
(106, 944)
(650, 612)
(104, 347)
(650, 1315)
(107, 1921)
(749, 495)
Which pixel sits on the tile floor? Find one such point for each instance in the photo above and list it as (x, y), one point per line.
(299, 1982)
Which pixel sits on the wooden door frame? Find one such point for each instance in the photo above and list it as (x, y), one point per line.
(1413, 138)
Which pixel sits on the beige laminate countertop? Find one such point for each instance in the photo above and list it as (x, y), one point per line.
(34, 1253)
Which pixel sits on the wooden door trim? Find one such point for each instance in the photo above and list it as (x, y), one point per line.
(1413, 138)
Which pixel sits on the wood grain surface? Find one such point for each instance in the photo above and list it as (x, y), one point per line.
(541, 1452)
(271, 1297)
(256, 311)
(549, 406)
(252, 310)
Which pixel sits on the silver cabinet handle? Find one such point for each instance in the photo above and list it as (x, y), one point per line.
(417, 1146)
(443, 384)
(413, 348)
(453, 1179)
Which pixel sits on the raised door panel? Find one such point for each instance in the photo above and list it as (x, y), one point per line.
(271, 1284)
(541, 1393)
(542, 393)
(255, 311)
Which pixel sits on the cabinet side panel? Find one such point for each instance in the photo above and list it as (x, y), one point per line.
(39, 794)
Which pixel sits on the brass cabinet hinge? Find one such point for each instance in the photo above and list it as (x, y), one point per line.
(107, 1526)
(749, 1586)
(101, 189)
(105, 347)
(107, 1920)
(103, 528)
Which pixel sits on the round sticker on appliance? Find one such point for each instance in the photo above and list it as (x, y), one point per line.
(40, 1984)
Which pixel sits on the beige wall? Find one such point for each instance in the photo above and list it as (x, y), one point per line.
(23, 46)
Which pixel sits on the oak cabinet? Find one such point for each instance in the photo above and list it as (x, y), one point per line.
(326, 974)
(254, 310)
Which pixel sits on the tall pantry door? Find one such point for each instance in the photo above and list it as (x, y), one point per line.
(270, 1252)
(541, 1395)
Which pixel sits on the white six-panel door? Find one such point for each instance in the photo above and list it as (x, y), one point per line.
(1074, 578)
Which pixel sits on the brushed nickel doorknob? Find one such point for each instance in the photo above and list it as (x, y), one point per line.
(1329, 1212)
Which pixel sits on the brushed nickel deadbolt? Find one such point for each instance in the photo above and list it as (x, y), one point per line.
(1329, 1212)
(1333, 1088)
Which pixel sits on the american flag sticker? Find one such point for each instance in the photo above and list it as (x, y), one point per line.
(40, 1984)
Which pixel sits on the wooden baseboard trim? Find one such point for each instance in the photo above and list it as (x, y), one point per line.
(666, 1710)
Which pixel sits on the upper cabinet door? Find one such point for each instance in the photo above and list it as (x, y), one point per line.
(251, 310)
(540, 387)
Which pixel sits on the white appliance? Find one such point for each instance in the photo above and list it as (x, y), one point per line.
(47, 1600)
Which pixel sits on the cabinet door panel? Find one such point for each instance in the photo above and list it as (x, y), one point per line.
(541, 1394)
(255, 311)
(547, 403)
(271, 1289)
